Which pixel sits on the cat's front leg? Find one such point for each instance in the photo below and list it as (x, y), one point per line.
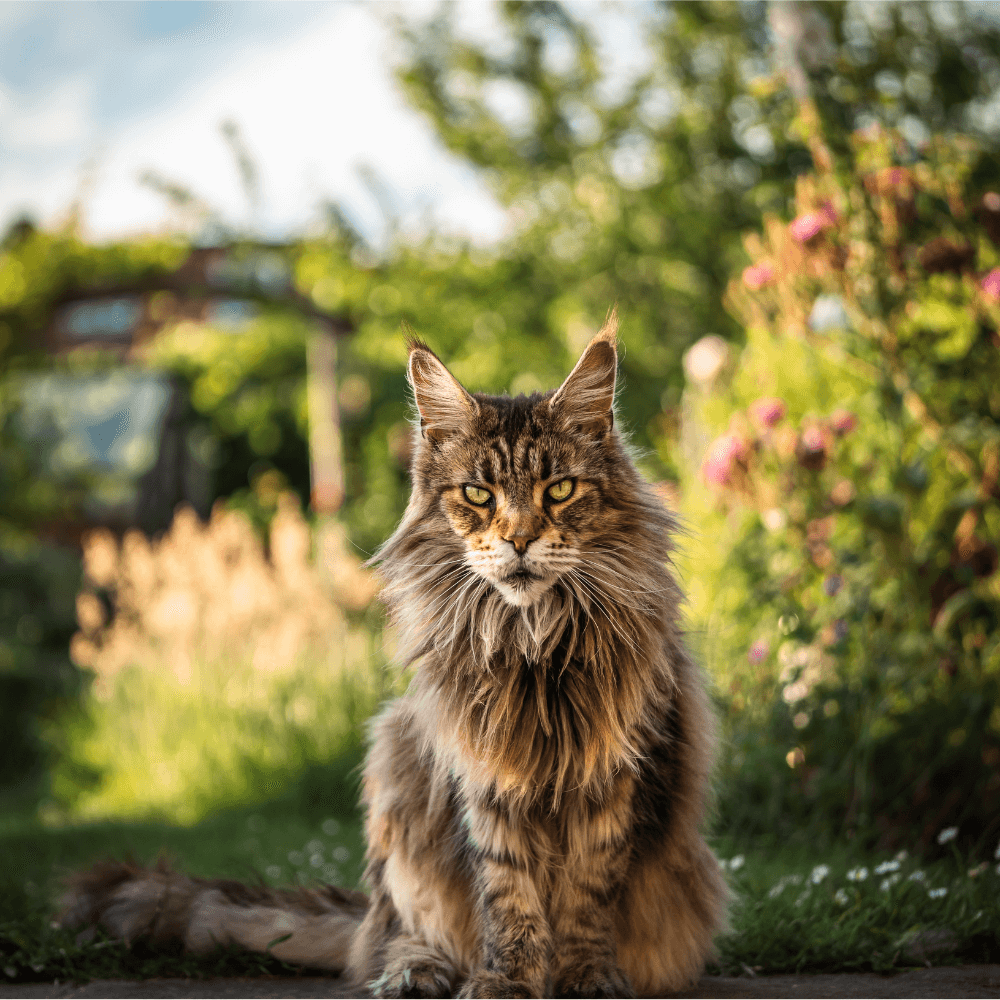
(516, 939)
(583, 905)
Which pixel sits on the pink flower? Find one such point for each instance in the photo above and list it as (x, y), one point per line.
(767, 411)
(722, 452)
(991, 284)
(896, 177)
(812, 439)
(812, 448)
(804, 227)
(758, 651)
(758, 275)
(843, 422)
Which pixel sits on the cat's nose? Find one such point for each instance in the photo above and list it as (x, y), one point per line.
(521, 529)
(520, 542)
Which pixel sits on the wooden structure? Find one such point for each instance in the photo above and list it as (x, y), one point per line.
(224, 286)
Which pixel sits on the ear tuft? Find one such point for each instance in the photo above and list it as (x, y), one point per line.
(444, 405)
(587, 396)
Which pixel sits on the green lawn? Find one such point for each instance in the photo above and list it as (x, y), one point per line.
(287, 840)
(793, 911)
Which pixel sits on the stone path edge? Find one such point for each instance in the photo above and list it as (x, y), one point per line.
(946, 981)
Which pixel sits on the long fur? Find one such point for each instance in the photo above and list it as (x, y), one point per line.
(533, 802)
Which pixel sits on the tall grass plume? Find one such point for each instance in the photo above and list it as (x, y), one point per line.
(220, 668)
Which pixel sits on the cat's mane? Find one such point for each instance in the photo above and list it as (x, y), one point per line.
(548, 697)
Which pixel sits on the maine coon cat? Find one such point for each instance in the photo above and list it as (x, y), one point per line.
(533, 801)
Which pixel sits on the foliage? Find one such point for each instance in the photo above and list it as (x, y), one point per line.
(856, 484)
(245, 392)
(635, 189)
(627, 190)
(247, 654)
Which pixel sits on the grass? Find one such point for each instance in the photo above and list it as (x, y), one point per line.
(848, 912)
(793, 912)
(290, 839)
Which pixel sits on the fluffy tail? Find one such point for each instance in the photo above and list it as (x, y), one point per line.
(129, 901)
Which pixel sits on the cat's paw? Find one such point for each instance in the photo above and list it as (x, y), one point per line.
(422, 980)
(484, 985)
(597, 980)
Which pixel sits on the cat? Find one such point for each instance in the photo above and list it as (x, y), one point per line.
(533, 802)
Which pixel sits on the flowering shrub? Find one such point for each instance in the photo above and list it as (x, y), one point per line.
(857, 480)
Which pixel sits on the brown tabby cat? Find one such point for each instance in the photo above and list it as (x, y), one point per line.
(533, 801)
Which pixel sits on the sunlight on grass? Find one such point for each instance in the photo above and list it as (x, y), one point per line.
(227, 734)
(222, 669)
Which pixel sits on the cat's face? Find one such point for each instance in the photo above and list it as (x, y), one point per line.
(526, 485)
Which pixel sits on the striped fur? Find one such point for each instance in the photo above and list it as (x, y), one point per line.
(533, 802)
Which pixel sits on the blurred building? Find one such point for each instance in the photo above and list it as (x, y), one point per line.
(126, 428)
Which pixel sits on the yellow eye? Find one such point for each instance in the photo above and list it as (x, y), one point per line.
(478, 496)
(561, 490)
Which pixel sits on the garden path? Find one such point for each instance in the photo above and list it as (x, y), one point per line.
(958, 981)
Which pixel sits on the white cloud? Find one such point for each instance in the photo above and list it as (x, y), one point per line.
(312, 108)
(54, 119)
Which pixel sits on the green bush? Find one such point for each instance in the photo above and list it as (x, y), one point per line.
(854, 480)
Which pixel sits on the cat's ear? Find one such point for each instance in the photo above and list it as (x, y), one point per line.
(587, 397)
(444, 405)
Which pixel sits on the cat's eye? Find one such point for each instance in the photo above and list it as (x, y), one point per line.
(477, 495)
(561, 490)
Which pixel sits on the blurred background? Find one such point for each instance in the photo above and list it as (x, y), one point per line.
(215, 217)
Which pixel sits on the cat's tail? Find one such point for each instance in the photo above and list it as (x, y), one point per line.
(307, 926)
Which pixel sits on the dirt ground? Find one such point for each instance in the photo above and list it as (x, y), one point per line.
(960, 981)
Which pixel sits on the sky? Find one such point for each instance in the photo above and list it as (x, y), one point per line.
(95, 94)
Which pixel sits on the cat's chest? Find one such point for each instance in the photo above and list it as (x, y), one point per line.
(572, 829)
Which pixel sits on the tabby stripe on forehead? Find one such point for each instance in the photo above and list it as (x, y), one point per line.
(520, 451)
(502, 449)
(495, 466)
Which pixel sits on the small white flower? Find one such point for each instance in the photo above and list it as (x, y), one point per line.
(736, 863)
(947, 834)
(917, 876)
(803, 896)
(996, 853)
(779, 886)
(887, 866)
(819, 873)
(316, 859)
(841, 897)
(341, 854)
(857, 875)
(330, 827)
(937, 893)
(273, 872)
(903, 855)
(888, 883)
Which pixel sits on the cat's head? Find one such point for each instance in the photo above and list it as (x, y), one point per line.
(533, 487)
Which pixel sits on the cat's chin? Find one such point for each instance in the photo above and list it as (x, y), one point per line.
(522, 592)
